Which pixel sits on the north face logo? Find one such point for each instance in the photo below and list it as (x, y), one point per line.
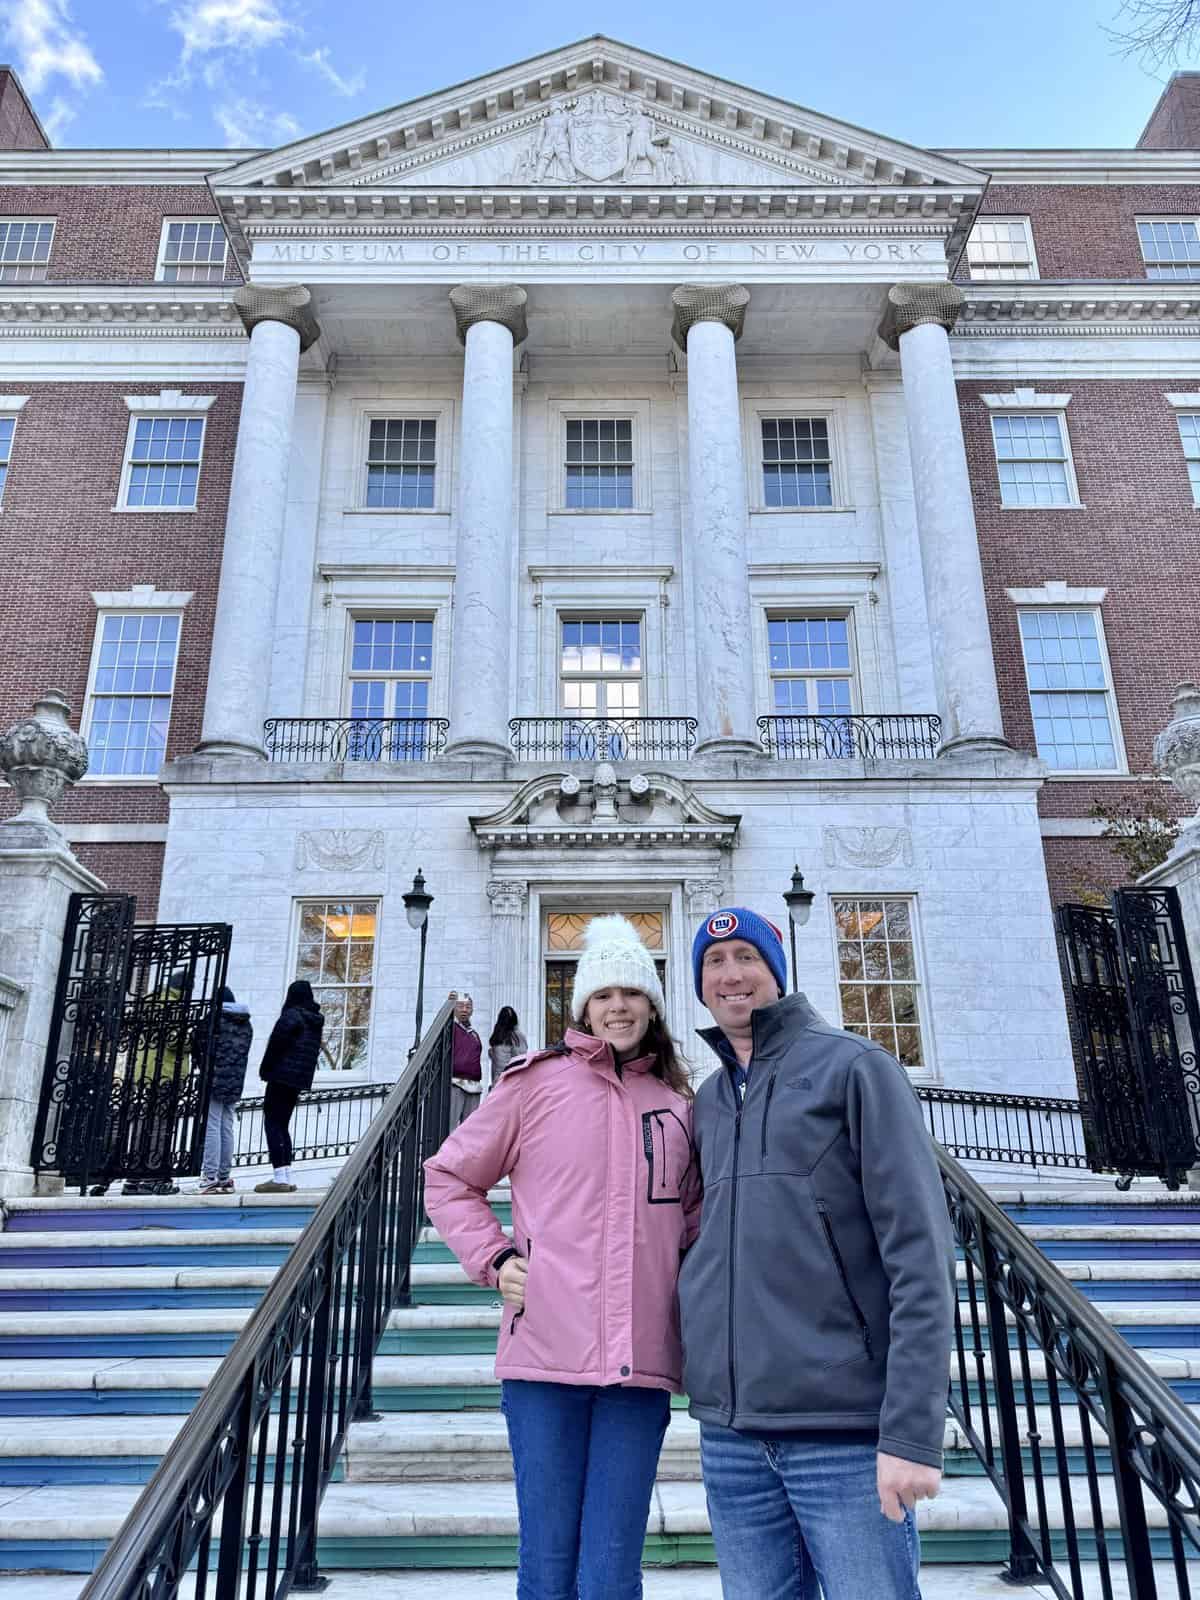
(722, 925)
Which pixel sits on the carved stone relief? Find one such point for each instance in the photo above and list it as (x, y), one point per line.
(340, 850)
(868, 847)
(508, 898)
(599, 138)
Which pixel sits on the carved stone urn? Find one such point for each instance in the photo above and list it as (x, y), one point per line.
(1177, 748)
(40, 756)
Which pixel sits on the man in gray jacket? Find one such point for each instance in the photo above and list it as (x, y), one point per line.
(817, 1303)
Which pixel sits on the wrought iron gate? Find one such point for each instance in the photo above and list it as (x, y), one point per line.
(1134, 998)
(128, 1061)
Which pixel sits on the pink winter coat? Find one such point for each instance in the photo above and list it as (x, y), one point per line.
(606, 1198)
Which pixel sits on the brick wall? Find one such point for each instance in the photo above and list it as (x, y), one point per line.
(1175, 121)
(128, 869)
(1083, 231)
(60, 540)
(108, 233)
(19, 126)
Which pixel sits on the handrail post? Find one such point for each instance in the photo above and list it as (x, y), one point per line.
(233, 1505)
(307, 1574)
(1131, 1505)
(368, 1304)
(1022, 1564)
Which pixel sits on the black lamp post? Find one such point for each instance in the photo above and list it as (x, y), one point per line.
(416, 906)
(799, 903)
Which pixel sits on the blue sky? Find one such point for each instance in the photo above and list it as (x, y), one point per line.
(264, 72)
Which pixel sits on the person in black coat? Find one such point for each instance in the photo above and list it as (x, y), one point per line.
(288, 1065)
(231, 1051)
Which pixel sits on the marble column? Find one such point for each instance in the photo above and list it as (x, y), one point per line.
(491, 323)
(281, 325)
(708, 321)
(917, 322)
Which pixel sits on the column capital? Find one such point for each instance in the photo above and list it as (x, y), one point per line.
(910, 304)
(490, 302)
(259, 302)
(708, 302)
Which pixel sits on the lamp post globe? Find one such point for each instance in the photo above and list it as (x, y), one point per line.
(416, 908)
(799, 901)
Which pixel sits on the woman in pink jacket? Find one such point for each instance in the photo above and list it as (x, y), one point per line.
(596, 1137)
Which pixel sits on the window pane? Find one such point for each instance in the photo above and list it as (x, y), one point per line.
(599, 464)
(130, 706)
(999, 250)
(336, 952)
(1068, 693)
(165, 461)
(401, 463)
(1170, 249)
(25, 251)
(796, 462)
(878, 989)
(194, 253)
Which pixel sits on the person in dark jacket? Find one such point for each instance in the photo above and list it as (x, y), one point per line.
(817, 1303)
(288, 1065)
(231, 1051)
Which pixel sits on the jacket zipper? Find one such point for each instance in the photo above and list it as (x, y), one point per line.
(737, 1135)
(517, 1315)
(863, 1329)
(766, 1113)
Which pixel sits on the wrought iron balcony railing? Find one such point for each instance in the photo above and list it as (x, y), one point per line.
(355, 738)
(843, 738)
(602, 738)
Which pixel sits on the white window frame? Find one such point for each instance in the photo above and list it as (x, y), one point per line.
(11, 405)
(927, 1072)
(568, 592)
(145, 601)
(1048, 599)
(329, 1076)
(1194, 268)
(1039, 406)
(813, 590)
(802, 613)
(637, 413)
(167, 405)
(389, 613)
(354, 593)
(160, 263)
(1006, 276)
(1183, 405)
(831, 411)
(439, 412)
(593, 613)
(6, 283)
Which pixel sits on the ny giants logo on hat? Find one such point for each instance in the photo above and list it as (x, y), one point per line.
(722, 925)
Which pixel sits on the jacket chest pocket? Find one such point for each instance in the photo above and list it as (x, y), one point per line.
(668, 1153)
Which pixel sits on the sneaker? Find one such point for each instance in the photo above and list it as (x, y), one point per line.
(271, 1187)
(211, 1188)
(227, 1186)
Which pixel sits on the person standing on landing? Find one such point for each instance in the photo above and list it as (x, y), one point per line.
(466, 1066)
(231, 1051)
(289, 1065)
(507, 1042)
(817, 1303)
(596, 1134)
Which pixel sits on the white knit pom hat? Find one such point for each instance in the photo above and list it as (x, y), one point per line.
(614, 958)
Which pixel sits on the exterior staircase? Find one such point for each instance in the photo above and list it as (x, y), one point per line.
(114, 1314)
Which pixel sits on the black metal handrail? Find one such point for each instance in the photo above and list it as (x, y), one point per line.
(325, 1124)
(355, 738)
(1020, 1129)
(602, 738)
(261, 1446)
(1037, 1374)
(844, 738)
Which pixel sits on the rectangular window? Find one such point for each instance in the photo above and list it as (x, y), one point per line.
(599, 464)
(796, 462)
(878, 984)
(601, 667)
(8, 426)
(401, 461)
(25, 250)
(810, 665)
(1001, 249)
(1189, 434)
(336, 953)
(1069, 692)
(391, 670)
(1170, 248)
(133, 679)
(164, 461)
(1031, 455)
(192, 252)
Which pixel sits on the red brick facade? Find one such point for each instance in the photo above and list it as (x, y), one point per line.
(19, 126)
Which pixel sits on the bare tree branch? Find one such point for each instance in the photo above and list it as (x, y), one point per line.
(1160, 33)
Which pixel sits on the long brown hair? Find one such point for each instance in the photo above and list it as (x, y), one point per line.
(669, 1064)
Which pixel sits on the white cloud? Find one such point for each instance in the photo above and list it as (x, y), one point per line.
(48, 44)
(347, 86)
(61, 113)
(245, 123)
(209, 25)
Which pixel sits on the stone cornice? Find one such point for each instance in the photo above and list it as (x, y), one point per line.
(43, 310)
(54, 168)
(1097, 309)
(1083, 166)
(500, 104)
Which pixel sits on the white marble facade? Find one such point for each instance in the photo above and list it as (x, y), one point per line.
(602, 217)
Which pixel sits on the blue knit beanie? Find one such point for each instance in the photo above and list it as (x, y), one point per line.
(736, 922)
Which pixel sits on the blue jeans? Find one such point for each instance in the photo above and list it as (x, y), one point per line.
(585, 1460)
(797, 1519)
(218, 1142)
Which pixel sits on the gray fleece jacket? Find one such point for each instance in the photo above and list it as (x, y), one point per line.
(819, 1294)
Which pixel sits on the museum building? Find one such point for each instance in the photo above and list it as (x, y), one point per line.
(602, 486)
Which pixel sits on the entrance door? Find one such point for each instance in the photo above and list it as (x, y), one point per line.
(562, 936)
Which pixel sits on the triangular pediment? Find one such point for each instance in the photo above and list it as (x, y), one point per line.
(597, 114)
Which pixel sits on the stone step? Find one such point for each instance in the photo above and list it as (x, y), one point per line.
(433, 1524)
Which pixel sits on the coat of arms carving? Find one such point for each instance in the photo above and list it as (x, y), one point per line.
(599, 138)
